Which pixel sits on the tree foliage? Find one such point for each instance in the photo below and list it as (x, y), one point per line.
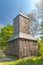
(39, 9)
(35, 17)
(40, 50)
(5, 34)
(41, 31)
(33, 24)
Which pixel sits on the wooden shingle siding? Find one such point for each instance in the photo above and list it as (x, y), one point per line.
(21, 44)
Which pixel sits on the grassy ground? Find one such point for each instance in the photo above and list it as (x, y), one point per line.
(24, 61)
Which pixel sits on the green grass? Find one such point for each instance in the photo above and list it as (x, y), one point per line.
(25, 61)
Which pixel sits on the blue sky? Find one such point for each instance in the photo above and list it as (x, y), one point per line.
(10, 8)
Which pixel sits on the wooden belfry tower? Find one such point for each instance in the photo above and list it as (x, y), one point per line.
(21, 44)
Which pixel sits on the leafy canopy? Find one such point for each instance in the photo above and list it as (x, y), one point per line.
(5, 33)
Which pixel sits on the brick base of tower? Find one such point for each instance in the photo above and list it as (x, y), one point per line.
(22, 48)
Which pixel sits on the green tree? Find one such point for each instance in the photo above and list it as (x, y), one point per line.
(41, 31)
(5, 33)
(33, 24)
(40, 50)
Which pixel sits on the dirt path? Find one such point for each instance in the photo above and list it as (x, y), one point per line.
(5, 59)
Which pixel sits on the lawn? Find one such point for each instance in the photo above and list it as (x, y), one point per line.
(24, 61)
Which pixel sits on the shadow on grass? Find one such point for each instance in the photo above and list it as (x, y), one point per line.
(28, 62)
(16, 61)
(7, 59)
(31, 62)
